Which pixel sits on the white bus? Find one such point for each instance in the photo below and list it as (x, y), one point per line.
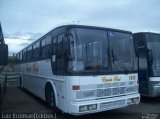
(81, 69)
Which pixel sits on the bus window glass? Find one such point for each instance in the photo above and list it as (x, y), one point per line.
(53, 58)
(29, 53)
(36, 50)
(60, 56)
(54, 46)
(24, 55)
(154, 44)
(46, 47)
(122, 51)
(20, 56)
(89, 52)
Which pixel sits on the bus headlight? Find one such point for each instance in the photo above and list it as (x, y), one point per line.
(133, 100)
(90, 107)
(85, 94)
(83, 108)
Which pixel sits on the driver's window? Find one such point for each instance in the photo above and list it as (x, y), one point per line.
(61, 56)
(72, 48)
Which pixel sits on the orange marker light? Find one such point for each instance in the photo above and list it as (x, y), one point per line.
(75, 87)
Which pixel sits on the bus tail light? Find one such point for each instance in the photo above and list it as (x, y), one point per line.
(75, 87)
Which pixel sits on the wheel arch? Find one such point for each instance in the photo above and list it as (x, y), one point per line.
(51, 83)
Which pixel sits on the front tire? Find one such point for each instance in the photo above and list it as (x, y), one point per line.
(50, 97)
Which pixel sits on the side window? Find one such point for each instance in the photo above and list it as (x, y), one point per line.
(46, 47)
(59, 46)
(36, 50)
(20, 56)
(43, 43)
(29, 53)
(24, 55)
(54, 44)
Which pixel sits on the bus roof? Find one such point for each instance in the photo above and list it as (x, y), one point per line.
(147, 33)
(78, 26)
(84, 26)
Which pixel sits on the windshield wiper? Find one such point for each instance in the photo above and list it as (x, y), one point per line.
(116, 59)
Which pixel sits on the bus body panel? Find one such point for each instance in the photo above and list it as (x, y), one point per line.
(34, 73)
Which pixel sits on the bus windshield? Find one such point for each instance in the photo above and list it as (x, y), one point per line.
(153, 42)
(90, 51)
(122, 51)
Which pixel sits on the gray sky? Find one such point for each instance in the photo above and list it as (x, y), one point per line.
(23, 21)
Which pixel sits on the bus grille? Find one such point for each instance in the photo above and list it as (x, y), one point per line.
(113, 104)
(112, 89)
(103, 92)
(131, 89)
(116, 91)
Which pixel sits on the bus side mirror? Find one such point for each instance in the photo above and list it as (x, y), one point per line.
(150, 56)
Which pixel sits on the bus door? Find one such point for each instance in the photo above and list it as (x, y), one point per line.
(143, 72)
(59, 66)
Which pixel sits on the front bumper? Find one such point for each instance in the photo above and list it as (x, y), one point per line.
(103, 104)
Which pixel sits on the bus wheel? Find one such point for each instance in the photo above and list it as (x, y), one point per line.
(50, 97)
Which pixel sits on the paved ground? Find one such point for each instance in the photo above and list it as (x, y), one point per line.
(18, 101)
